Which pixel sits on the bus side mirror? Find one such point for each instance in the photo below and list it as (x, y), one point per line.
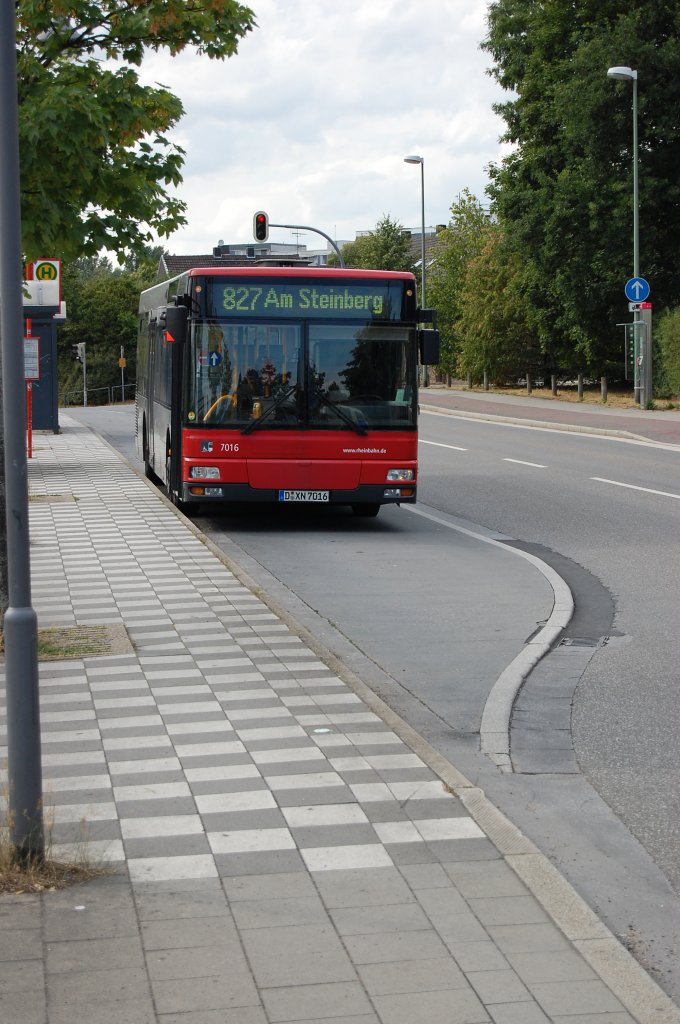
(428, 346)
(176, 320)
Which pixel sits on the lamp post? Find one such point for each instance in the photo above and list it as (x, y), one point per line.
(25, 796)
(623, 74)
(626, 74)
(414, 159)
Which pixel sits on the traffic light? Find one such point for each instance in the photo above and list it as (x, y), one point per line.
(79, 351)
(261, 226)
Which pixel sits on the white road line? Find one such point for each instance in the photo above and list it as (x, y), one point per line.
(520, 462)
(436, 444)
(632, 487)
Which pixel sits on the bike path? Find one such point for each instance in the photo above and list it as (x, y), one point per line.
(662, 426)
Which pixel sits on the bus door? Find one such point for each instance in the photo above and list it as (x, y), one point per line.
(151, 397)
(160, 391)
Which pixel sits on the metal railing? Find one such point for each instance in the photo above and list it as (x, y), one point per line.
(99, 396)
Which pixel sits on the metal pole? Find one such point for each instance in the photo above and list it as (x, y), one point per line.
(426, 374)
(122, 374)
(636, 217)
(304, 227)
(641, 344)
(84, 374)
(20, 623)
(423, 304)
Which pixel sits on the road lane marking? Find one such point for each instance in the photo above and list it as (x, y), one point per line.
(633, 487)
(520, 462)
(436, 444)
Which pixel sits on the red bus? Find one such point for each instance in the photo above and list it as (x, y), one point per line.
(282, 384)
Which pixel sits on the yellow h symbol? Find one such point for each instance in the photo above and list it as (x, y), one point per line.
(46, 272)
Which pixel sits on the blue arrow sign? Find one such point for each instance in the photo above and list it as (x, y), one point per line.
(214, 359)
(637, 289)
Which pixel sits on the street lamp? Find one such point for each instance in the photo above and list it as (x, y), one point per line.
(414, 159)
(623, 74)
(421, 160)
(626, 74)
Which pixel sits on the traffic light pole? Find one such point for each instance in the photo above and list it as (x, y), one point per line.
(20, 621)
(84, 349)
(316, 231)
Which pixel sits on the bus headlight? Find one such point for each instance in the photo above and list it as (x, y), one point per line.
(204, 473)
(400, 474)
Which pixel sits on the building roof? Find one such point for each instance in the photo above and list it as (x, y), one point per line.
(430, 243)
(246, 256)
(171, 266)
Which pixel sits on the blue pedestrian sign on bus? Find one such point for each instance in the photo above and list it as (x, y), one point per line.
(637, 289)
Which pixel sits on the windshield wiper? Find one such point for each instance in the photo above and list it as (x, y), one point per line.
(341, 413)
(254, 424)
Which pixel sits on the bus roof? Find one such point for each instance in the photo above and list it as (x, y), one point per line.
(157, 294)
(269, 271)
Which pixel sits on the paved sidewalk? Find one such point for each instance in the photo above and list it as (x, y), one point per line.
(285, 849)
(661, 426)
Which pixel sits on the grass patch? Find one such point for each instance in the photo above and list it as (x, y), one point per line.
(54, 643)
(63, 642)
(50, 873)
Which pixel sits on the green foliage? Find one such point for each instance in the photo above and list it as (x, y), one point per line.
(495, 328)
(96, 162)
(102, 312)
(668, 339)
(388, 247)
(459, 243)
(564, 194)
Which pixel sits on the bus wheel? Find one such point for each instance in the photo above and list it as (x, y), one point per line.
(368, 510)
(148, 471)
(188, 508)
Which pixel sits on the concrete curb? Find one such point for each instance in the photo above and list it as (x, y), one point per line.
(573, 428)
(495, 726)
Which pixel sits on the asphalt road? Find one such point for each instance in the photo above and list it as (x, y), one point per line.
(612, 507)
(605, 513)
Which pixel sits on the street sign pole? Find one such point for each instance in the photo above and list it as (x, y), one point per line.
(20, 621)
(646, 313)
(637, 290)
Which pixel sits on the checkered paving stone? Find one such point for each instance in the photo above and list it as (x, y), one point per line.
(243, 786)
(222, 735)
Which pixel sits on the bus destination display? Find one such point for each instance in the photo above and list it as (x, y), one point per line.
(375, 301)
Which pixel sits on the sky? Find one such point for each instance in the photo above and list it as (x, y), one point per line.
(312, 118)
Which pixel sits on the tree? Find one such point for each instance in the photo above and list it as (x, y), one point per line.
(95, 158)
(668, 336)
(495, 330)
(388, 247)
(102, 303)
(564, 193)
(456, 245)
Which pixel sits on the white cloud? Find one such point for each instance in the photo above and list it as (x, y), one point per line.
(312, 118)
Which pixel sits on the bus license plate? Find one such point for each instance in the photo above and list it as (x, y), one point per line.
(304, 495)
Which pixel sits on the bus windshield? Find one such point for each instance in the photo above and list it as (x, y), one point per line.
(335, 377)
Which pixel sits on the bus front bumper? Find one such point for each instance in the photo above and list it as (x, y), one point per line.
(370, 494)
